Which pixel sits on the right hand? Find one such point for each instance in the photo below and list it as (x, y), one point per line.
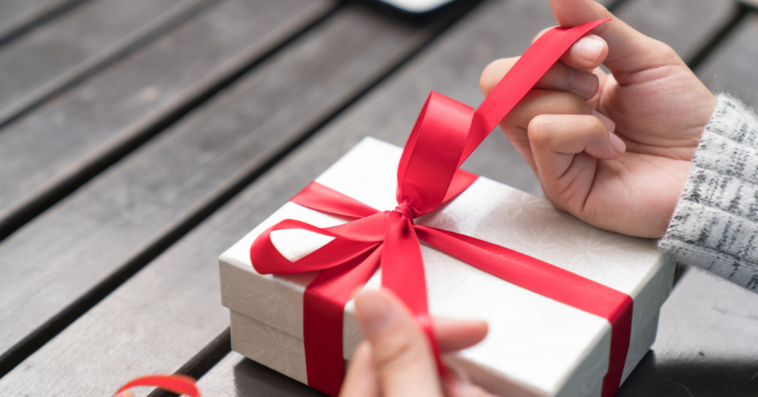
(629, 185)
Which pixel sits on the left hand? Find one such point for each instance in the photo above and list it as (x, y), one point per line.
(396, 360)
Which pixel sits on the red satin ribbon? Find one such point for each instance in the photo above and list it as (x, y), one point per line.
(179, 384)
(446, 133)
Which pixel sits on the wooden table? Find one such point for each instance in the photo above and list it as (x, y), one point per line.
(141, 138)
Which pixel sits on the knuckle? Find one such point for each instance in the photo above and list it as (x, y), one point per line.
(493, 72)
(539, 130)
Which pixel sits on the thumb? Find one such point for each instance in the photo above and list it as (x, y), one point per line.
(629, 50)
(402, 355)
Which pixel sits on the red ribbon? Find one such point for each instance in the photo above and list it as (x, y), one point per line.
(178, 384)
(446, 133)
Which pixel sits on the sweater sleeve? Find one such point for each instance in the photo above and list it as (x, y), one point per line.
(715, 223)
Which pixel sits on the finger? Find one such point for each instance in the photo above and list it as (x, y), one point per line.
(558, 78)
(361, 379)
(402, 356)
(455, 335)
(535, 103)
(629, 50)
(561, 146)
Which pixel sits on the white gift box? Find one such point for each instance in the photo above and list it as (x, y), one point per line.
(536, 346)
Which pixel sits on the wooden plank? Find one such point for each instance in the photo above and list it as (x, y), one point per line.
(706, 344)
(18, 16)
(685, 25)
(51, 152)
(159, 190)
(58, 55)
(732, 67)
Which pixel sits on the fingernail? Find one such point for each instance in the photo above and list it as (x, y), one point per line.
(608, 123)
(374, 312)
(588, 48)
(583, 83)
(618, 145)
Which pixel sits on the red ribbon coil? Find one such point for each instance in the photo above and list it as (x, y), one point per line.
(446, 133)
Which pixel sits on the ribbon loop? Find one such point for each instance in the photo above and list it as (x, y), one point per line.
(432, 152)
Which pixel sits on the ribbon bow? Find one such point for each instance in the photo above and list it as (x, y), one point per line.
(445, 134)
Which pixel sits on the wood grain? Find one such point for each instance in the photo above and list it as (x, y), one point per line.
(51, 152)
(732, 67)
(97, 231)
(64, 52)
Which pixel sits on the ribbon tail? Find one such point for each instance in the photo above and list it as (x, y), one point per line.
(549, 281)
(323, 307)
(403, 274)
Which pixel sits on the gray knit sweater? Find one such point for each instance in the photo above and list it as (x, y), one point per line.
(715, 224)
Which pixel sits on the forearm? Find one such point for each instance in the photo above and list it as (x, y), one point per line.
(715, 224)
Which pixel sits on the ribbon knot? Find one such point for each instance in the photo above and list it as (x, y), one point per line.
(446, 133)
(405, 210)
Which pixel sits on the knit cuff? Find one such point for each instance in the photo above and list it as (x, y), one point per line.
(715, 224)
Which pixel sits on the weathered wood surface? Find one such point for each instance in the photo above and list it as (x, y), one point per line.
(732, 67)
(158, 319)
(17, 16)
(61, 53)
(161, 187)
(52, 151)
(684, 25)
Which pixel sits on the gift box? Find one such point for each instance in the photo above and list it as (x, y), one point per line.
(536, 346)
(572, 309)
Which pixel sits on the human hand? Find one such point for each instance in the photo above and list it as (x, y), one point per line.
(396, 359)
(628, 182)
